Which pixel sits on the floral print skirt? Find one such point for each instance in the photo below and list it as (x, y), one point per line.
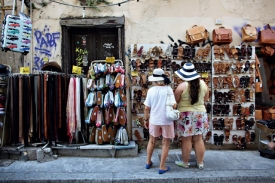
(192, 123)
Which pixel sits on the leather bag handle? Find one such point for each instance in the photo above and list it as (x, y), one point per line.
(194, 26)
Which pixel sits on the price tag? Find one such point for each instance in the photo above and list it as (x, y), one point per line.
(110, 60)
(204, 75)
(24, 70)
(76, 69)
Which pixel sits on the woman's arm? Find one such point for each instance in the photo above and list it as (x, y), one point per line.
(146, 117)
(179, 90)
(206, 96)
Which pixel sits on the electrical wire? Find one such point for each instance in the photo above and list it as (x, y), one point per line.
(115, 4)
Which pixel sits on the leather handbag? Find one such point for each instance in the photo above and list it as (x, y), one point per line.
(267, 51)
(171, 113)
(222, 36)
(196, 34)
(266, 114)
(267, 36)
(249, 33)
(258, 114)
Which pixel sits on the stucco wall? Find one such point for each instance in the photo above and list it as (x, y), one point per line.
(147, 21)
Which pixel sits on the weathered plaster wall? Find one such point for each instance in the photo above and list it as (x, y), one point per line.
(148, 21)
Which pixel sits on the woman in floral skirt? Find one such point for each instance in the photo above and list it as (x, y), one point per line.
(190, 96)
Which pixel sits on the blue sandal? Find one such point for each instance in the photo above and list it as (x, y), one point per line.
(163, 171)
(148, 166)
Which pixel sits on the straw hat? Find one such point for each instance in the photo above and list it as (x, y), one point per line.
(187, 72)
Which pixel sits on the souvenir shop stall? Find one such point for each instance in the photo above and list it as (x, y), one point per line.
(228, 70)
(53, 108)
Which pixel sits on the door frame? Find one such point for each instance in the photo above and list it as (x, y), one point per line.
(99, 22)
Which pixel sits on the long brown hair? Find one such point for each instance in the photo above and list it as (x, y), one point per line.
(194, 90)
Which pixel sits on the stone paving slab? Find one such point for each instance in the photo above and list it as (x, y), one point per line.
(220, 166)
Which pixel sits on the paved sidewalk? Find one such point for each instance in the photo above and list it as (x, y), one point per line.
(220, 166)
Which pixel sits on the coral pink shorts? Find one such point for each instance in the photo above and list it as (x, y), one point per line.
(167, 131)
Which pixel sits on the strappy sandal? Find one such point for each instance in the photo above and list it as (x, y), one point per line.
(235, 108)
(246, 66)
(187, 53)
(251, 109)
(137, 135)
(173, 66)
(168, 64)
(221, 53)
(234, 139)
(243, 52)
(180, 53)
(221, 137)
(227, 50)
(231, 120)
(215, 124)
(236, 81)
(216, 67)
(208, 136)
(159, 63)
(230, 81)
(199, 54)
(151, 64)
(252, 67)
(234, 52)
(216, 139)
(249, 51)
(238, 123)
(163, 66)
(247, 137)
(206, 52)
(138, 64)
(217, 52)
(227, 134)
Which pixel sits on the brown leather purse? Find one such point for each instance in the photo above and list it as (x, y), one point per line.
(196, 34)
(267, 36)
(267, 50)
(222, 36)
(258, 114)
(249, 33)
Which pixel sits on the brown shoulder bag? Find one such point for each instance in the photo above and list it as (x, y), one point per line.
(222, 36)
(196, 34)
(267, 36)
(249, 33)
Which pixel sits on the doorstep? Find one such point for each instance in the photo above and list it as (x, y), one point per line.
(102, 151)
(89, 150)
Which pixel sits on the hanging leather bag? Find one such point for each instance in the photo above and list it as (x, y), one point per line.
(222, 36)
(196, 34)
(258, 114)
(267, 36)
(249, 33)
(267, 51)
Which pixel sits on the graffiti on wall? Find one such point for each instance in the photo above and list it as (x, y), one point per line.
(45, 46)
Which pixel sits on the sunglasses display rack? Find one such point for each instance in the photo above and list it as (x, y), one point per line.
(233, 95)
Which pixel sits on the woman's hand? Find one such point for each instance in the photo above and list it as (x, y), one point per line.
(175, 106)
(146, 125)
